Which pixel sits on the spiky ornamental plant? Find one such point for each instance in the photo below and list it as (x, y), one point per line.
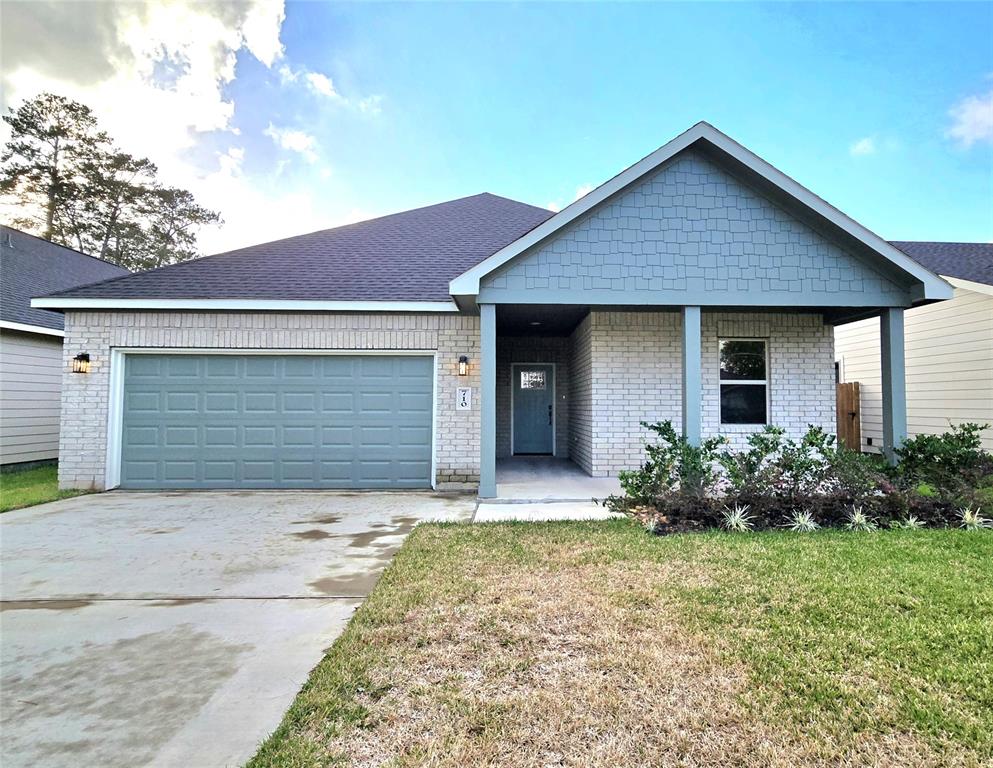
(736, 519)
(802, 522)
(909, 523)
(973, 520)
(858, 520)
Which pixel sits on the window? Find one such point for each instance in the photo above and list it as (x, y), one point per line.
(744, 381)
(532, 379)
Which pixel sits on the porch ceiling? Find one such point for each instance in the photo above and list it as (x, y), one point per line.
(551, 319)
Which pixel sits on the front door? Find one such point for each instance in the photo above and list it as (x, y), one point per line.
(534, 404)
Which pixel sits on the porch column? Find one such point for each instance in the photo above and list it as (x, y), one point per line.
(692, 375)
(894, 381)
(487, 401)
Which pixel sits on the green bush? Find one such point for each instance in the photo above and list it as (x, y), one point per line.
(945, 462)
(672, 465)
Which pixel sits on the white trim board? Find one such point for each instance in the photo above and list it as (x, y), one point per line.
(467, 284)
(27, 328)
(970, 285)
(115, 402)
(245, 305)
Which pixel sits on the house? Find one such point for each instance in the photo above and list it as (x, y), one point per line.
(949, 349)
(31, 341)
(423, 349)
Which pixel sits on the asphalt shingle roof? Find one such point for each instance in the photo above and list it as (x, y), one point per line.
(31, 267)
(409, 256)
(966, 261)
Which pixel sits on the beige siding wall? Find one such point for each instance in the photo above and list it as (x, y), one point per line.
(85, 401)
(949, 352)
(30, 390)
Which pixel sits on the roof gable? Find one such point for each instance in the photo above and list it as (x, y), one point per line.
(691, 232)
(775, 185)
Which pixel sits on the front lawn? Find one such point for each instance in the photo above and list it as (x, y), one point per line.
(25, 488)
(595, 644)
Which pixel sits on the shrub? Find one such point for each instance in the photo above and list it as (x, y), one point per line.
(802, 522)
(972, 520)
(737, 519)
(754, 470)
(945, 462)
(672, 465)
(908, 523)
(858, 520)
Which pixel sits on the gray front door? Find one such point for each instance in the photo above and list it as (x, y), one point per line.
(534, 403)
(271, 421)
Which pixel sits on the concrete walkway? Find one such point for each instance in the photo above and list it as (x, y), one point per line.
(502, 512)
(174, 629)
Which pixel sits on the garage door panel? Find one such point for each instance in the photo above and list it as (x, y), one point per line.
(182, 437)
(181, 366)
(220, 471)
(295, 421)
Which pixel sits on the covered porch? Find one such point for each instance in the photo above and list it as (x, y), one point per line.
(564, 388)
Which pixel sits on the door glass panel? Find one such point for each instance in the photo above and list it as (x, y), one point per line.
(532, 379)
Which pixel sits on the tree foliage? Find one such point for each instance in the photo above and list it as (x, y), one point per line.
(72, 185)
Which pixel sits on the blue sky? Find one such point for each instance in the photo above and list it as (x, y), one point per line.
(883, 109)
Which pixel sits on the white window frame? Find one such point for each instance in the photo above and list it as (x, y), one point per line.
(767, 382)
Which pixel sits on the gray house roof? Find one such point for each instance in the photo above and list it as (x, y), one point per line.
(966, 261)
(409, 256)
(30, 266)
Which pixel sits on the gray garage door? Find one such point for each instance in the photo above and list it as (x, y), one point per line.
(261, 421)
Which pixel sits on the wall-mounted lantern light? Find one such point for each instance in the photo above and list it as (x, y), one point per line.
(463, 365)
(81, 363)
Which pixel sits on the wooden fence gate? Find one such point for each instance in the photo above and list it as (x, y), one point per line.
(849, 417)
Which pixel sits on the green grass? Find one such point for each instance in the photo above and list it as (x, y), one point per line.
(25, 488)
(749, 649)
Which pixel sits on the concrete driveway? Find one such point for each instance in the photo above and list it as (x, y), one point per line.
(175, 629)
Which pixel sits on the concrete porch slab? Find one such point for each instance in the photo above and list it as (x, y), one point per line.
(545, 478)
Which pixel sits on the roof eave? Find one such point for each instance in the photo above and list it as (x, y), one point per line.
(248, 305)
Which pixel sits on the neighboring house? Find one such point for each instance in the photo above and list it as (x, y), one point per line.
(700, 285)
(949, 349)
(31, 340)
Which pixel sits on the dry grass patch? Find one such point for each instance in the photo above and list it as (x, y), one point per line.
(582, 645)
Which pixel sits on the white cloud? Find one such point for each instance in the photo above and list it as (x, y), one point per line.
(294, 140)
(581, 191)
(371, 105)
(862, 147)
(972, 120)
(321, 84)
(260, 210)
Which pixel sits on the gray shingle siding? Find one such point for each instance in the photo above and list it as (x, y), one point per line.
(691, 232)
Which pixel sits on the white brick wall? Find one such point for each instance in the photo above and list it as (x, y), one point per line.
(635, 373)
(83, 441)
(581, 395)
(617, 369)
(801, 357)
